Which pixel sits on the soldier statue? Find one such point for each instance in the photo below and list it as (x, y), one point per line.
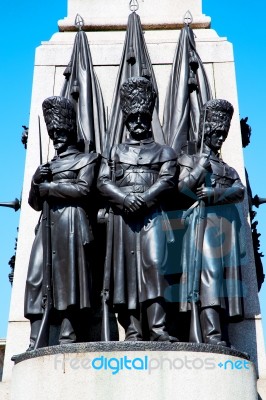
(211, 253)
(134, 180)
(66, 183)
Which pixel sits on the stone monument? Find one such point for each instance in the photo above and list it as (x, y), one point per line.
(167, 369)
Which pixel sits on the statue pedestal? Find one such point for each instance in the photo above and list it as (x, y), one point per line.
(142, 370)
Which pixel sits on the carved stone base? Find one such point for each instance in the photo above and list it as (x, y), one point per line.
(133, 370)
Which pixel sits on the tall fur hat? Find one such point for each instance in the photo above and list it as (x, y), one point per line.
(59, 113)
(137, 95)
(215, 113)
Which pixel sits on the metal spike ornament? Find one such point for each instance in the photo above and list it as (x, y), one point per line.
(79, 22)
(133, 5)
(188, 19)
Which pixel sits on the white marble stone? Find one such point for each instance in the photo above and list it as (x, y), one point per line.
(5, 390)
(262, 389)
(160, 375)
(18, 334)
(98, 14)
(106, 47)
(261, 347)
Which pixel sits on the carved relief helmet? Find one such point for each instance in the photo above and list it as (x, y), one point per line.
(217, 114)
(137, 95)
(59, 113)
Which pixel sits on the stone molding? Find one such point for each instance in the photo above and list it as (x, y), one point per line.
(129, 346)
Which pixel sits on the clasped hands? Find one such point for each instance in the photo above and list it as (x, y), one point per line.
(42, 177)
(203, 192)
(134, 202)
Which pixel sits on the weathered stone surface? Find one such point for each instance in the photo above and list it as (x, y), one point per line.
(129, 346)
(5, 390)
(17, 341)
(132, 370)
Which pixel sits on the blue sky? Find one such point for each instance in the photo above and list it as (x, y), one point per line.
(32, 22)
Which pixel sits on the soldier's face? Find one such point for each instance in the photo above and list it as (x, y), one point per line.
(138, 125)
(217, 138)
(60, 140)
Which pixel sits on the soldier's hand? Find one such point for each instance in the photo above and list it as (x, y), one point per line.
(43, 173)
(133, 202)
(44, 189)
(204, 192)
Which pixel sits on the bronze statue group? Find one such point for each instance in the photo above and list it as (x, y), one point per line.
(140, 182)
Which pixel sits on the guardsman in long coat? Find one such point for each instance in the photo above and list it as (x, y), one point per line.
(144, 171)
(67, 184)
(212, 251)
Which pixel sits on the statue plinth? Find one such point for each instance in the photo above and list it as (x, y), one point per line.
(144, 370)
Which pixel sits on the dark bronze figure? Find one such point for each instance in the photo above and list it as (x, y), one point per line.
(211, 254)
(144, 171)
(66, 185)
(15, 204)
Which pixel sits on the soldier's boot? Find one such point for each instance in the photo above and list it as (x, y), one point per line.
(132, 325)
(156, 317)
(211, 326)
(35, 325)
(67, 333)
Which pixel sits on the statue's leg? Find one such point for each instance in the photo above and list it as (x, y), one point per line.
(67, 333)
(156, 317)
(130, 320)
(35, 324)
(211, 326)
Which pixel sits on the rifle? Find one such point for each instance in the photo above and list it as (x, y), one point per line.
(195, 334)
(47, 301)
(105, 331)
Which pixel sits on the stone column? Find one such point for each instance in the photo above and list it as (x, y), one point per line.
(105, 23)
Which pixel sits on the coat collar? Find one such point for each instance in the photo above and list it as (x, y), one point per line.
(135, 142)
(213, 156)
(70, 151)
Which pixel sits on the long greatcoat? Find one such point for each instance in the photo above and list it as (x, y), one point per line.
(211, 243)
(70, 200)
(139, 247)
